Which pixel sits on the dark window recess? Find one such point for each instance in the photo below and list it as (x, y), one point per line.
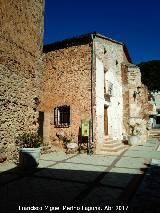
(62, 116)
(158, 120)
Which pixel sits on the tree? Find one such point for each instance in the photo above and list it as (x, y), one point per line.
(151, 74)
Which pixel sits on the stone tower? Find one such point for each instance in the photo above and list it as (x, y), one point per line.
(21, 36)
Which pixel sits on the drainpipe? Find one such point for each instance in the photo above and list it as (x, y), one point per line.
(92, 69)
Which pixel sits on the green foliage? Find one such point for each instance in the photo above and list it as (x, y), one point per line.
(29, 140)
(151, 74)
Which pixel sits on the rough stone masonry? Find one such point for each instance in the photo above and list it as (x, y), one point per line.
(21, 25)
(66, 81)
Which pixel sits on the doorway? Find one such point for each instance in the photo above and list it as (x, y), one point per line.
(105, 120)
(40, 122)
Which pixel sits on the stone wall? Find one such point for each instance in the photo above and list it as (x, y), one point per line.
(21, 24)
(138, 100)
(134, 81)
(66, 81)
(125, 90)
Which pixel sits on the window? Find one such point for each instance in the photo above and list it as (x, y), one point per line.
(158, 120)
(62, 116)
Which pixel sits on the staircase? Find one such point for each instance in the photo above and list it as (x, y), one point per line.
(110, 147)
(154, 133)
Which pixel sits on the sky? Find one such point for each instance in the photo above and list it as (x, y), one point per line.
(136, 23)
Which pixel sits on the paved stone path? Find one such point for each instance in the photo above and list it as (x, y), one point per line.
(84, 182)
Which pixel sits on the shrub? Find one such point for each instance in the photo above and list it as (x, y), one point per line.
(29, 140)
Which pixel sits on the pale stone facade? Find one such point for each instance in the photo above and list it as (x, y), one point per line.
(155, 109)
(109, 56)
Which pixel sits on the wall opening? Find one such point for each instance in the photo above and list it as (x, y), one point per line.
(105, 120)
(62, 116)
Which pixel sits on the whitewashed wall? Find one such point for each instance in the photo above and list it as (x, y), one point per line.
(99, 101)
(115, 108)
(107, 61)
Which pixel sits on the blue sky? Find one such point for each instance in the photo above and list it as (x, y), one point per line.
(133, 22)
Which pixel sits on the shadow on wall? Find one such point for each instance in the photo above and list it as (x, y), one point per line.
(46, 189)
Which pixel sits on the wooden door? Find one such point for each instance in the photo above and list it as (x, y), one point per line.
(105, 120)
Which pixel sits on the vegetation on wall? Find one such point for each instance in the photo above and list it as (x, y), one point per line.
(151, 74)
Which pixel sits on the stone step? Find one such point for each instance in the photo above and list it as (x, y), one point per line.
(112, 142)
(109, 153)
(153, 135)
(112, 149)
(154, 131)
(108, 138)
(110, 146)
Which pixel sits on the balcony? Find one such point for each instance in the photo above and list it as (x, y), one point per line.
(108, 90)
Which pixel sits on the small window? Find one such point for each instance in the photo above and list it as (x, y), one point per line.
(62, 116)
(158, 120)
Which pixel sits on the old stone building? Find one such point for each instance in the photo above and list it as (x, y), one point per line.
(90, 78)
(85, 78)
(21, 35)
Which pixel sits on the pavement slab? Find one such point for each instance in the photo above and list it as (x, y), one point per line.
(7, 166)
(79, 167)
(6, 178)
(55, 156)
(46, 163)
(142, 148)
(142, 154)
(68, 175)
(129, 162)
(102, 196)
(116, 181)
(120, 177)
(96, 160)
(147, 196)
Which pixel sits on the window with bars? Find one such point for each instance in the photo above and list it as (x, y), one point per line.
(62, 116)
